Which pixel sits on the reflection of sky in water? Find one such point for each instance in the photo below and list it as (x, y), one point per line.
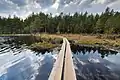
(90, 66)
(22, 66)
(47, 64)
(25, 65)
(114, 58)
(19, 63)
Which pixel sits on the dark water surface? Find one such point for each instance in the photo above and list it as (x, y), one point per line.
(17, 62)
(97, 64)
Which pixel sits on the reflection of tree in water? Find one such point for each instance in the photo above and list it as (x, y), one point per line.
(86, 48)
(94, 71)
(90, 66)
(10, 43)
(107, 52)
(20, 42)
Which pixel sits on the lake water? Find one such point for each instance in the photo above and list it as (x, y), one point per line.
(17, 62)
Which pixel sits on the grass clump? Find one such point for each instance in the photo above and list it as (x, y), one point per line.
(42, 45)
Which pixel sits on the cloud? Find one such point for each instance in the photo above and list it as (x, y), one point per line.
(115, 5)
(23, 8)
(19, 2)
(20, 8)
(6, 6)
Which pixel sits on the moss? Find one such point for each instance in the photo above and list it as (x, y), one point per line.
(45, 41)
(106, 43)
(42, 45)
(91, 42)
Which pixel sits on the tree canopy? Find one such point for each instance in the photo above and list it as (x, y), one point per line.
(107, 22)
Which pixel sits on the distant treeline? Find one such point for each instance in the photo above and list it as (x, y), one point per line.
(107, 22)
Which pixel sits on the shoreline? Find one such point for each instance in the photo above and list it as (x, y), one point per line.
(50, 41)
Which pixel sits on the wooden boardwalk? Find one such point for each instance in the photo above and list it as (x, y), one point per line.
(63, 68)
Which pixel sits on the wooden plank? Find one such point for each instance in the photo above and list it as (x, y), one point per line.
(69, 71)
(63, 68)
(56, 72)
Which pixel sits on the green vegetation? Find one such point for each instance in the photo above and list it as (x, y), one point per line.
(42, 45)
(105, 27)
(43, 42)
(106, 23)
(102, 40)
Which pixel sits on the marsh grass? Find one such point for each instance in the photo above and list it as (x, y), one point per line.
(104, 40)
(45, 42)
(42, 45)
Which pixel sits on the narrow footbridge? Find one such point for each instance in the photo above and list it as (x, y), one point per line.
(63, 68)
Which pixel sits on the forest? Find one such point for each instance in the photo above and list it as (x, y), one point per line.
(108, 22)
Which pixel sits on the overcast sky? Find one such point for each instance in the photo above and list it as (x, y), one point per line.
(23, 8)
